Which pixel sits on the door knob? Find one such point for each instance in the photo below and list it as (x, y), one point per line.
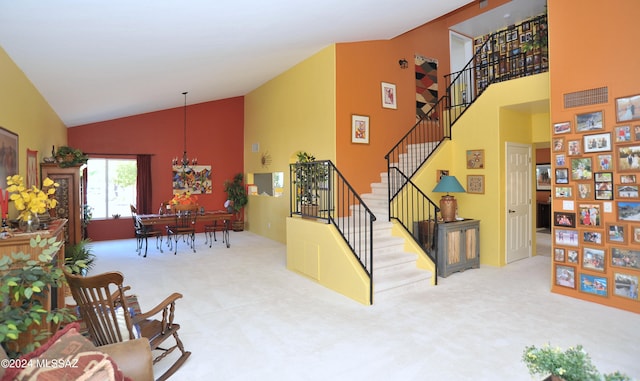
(511, 211)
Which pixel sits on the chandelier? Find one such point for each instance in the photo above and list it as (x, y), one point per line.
(185, 159)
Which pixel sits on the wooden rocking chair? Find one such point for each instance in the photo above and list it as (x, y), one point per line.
(111, 316)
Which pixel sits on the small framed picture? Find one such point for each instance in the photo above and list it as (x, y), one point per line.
(581, 168)
(628, 179)
(626, 258)
(589, 121)
(564, 219)
(440, 173)
(625, 285)
(566, 237)
(603, 185)
(628, 211)
(593, 259)
(597, 142)
(589, 215)
(564, 192)
(32, 168)
(561, 160)
(562, 176)
(558, 144)
(562, 128)
(636, 132)
(558, 254)
(628, 108)
(627, 191)
(628, 157)
(543, 177)
(574, 148)
(389, 95)
(585, 191)
(592, 237)
(592, 284)
(572, 256)
(635, 235)
(616, 233)
(623, 134)
(475, 184)
(565, 276)
(604, 162)
(359, 129)
(475, 159)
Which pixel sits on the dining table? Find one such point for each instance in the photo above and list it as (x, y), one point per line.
(218, 221)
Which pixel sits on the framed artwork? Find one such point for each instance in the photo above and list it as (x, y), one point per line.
(562, 176)
(636, 132)
(597, 142)
(625, 258)
(627, 191)
(623, 134)
(592, 284)
(475, 159)
(603, 185)
(566, 237)
(589, 121)
(475, 184)
(564, 219)
(635, 235)
(628, 211)
(558, 254)
(574, 148)
(32, 168)
(628, 108)
(561, 160)
(616, 233)
(581, 169)
(625, 285)
(572, 256)
(589, 215)
(562, 128)
(440, 173)
(628, 179)
(585, 191)
(564, 192)
(389, 95)
(359, 129)
(628, 157)
(9, 160)
(558, 144)
(543, 176)
(197, 180)
(605, 162)
(592, 237)
(565, 276)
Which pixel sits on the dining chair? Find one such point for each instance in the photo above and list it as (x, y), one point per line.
(184, 226)
(143, 233)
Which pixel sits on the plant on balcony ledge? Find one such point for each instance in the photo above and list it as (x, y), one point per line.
(309, 176)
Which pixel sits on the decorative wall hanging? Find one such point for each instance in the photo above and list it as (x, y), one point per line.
(359, 129)
(475, 184)
(8, 155)
(32, 168)
(426, 84)
(475, 159)
(389, 99)
(195, 179)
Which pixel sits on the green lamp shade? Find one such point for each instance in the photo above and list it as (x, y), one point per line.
(448, 184)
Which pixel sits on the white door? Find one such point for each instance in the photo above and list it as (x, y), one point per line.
(518, 202)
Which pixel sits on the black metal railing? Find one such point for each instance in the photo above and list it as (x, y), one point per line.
(320, 191)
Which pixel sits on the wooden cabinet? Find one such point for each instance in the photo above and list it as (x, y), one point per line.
(458, 246)
(70, 196)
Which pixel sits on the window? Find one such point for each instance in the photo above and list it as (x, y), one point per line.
(111, 186)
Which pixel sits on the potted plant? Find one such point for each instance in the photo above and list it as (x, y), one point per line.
(78, 258)
(308, 178)
(68, 157)
(31, 202)
(237, 197)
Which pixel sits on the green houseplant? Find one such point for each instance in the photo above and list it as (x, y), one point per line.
(237, 196)
(68, 157)
(78, 258)
(308, 178)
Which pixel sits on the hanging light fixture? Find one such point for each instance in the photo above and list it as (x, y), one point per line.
(185, 159)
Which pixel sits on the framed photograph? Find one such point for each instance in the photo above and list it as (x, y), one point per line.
(440, 173)
(561, 160)
(623, 134)
(389, 95)
(558, 254)
(543, 176)
(628, 211)
(625, 285)
(636, 132)
(562, 128)
(564, 192)
(592, 284)
(564, 219)
(581, 169)
(574, 148)
(628, 108)
(572, 256)
(566, 237)
(628, 157)
(625, 258)
(616, 233)
(589, 121)
(635, 235)
(585, 191)
(589, 215)
(604, 162)
(558, 144)
(9, 160)
(597, 142)
(603, 185)
(627, 191)
(628, 179)
(562, 176)
(592, 237)
(475, 159)
(32, 168)
(565, 276)
(359, 129)
(475, 184)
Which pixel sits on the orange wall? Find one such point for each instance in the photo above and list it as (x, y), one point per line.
(215, 135)
(583, 57)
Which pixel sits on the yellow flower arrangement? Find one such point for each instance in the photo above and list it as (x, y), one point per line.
(31, 200)
(185, 198)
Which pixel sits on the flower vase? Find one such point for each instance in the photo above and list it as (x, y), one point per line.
(29, 223)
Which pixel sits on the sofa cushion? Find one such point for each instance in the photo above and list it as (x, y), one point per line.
(65, 356)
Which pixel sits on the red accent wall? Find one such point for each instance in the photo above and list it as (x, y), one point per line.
(215, 135)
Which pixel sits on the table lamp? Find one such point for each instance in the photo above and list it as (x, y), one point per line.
(448, 204)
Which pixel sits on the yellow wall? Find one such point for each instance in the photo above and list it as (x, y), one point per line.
(25, 112)
(293, 112)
